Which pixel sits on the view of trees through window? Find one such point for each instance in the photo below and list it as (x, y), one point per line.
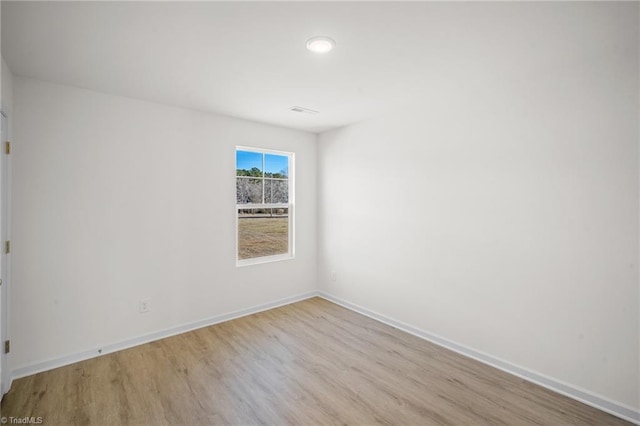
(262, 203)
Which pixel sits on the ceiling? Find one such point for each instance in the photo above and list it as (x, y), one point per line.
(249, 60)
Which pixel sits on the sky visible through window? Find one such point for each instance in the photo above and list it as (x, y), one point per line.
(246, 160)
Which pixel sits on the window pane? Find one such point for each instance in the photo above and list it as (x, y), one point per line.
(276, 166)
(276, 191)
(262, 232)
(248, 163)
(248, 190)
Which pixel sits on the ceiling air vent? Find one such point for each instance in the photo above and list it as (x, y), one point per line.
(303, 110)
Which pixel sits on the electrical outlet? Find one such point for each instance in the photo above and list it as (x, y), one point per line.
(334, 276)
(144, 306)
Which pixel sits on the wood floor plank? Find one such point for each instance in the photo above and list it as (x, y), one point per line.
(312, 362)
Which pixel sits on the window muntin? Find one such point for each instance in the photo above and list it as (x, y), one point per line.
(264, 208)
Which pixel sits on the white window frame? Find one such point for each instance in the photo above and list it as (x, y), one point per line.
(290, 206)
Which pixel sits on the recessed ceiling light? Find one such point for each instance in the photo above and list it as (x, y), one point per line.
(320, 44)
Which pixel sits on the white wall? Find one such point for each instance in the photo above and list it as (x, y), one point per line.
(116, 200)
(6, 89)
(501, 211)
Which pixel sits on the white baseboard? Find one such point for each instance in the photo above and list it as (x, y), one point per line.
(619, 410)
(6, 386)
(135, 341)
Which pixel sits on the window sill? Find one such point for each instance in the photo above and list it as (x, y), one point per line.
(264, 259)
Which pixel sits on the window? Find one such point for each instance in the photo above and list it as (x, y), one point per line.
(264, 205)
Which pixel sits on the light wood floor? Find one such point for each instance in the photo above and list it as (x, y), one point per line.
(312, 362)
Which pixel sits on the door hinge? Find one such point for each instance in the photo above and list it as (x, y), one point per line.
(7, 346)
(7, 247)
(7, 147)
